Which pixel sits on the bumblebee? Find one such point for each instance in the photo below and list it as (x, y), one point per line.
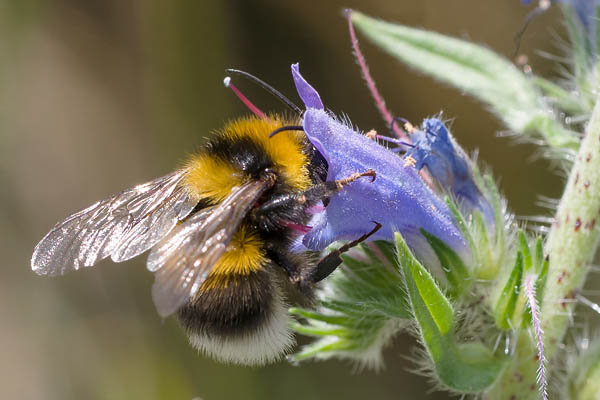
(220, 231)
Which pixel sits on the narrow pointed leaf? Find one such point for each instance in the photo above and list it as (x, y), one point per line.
(540, 283)
(424, 291)
(465, 368)
(462, 224)
(524, 248)
(473, 69)
(361, 309)
(539, 256)
(455, 270)
(561, 98)
(496, 200)
(505, 307)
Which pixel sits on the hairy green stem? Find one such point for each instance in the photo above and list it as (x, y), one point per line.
(574, 237)
(571, 245)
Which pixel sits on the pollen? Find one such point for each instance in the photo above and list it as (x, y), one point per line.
(410, 161)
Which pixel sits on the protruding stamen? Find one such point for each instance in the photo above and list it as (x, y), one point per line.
(298, 228)
(316, 209)
(244, 99)
(395, 141)
(268, 88)
(379, 101)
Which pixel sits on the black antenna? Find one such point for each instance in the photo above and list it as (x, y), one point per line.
(286, 128)
(268, 88)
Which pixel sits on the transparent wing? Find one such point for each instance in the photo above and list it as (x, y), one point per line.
(183, 260)
(121, 226)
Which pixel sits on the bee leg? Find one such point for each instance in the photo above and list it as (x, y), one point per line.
(331, 261)
(284, 261)
(328, 189)
(314, 194)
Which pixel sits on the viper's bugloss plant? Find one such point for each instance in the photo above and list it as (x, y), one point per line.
(489, 301)
(398, 198)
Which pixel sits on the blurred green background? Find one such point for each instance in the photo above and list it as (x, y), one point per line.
(96, 96)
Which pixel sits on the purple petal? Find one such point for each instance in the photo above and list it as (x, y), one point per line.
(446, 161)
(398, 198)
(307, 93)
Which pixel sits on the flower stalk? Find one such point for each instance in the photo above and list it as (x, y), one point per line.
(574, 236)
(571, 245)
(493, 319)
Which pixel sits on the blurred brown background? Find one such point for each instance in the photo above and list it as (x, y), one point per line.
(96, 96)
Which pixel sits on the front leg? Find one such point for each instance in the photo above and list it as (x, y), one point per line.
(331, 261)
(283, 260)
(311, 196)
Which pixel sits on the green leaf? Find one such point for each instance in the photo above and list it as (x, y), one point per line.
(422, 290)
(540, 283)
(452, 265)
(467, 367)
(473, 69)
(363, 305)
(561, 98)
(539, 255)
(462, 224)
(480, 230)
(553, 133)
(326, 346)
(505, 306)
(496, 200)
(524, 248)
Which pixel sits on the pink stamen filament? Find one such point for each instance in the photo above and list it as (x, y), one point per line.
(379, 101)
(303, 229)
(315, 209)
(245, 100)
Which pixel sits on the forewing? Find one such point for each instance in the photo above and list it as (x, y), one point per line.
(154, 225)
(123, 226)
(183, 260)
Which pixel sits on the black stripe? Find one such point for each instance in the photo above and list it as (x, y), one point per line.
(237, 309)
(243, 154)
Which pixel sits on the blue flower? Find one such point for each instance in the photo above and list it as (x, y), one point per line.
(436, 149)
(398, 199)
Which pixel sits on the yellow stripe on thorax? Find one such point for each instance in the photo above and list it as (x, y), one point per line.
(212, 177)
